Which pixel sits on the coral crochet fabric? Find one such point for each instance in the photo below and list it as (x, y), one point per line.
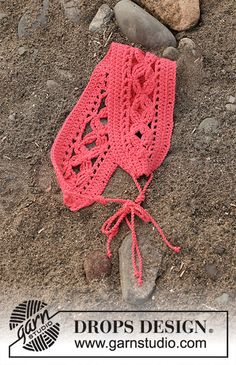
(124, 118)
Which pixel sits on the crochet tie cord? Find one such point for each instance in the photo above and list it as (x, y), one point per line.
(124, 118)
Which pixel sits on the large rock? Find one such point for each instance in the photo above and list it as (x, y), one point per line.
(141, 27)
(152, 257)
(177, 14)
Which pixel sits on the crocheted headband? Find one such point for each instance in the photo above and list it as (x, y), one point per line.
(123, 118)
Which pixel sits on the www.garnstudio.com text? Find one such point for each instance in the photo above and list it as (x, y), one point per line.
(162, 343)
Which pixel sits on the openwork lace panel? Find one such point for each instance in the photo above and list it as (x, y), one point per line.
(123, 118)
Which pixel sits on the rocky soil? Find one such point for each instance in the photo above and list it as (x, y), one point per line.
(47, 54)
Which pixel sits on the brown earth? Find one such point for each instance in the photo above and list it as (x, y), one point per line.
(43, 244)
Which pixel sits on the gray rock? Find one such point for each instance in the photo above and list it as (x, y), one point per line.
(171, 53)
(131, 291)
(23, 26)
(22, 51)
(29, 23)
(103, 16)
(209, 125)
(222, 299)
(211, 271)
(42, 18)
(232, 99)
(64, 74)
(141, 27)
(187, 45)
(231, 107)
(71, 9)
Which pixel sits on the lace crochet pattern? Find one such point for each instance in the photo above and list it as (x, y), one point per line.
(123, 118)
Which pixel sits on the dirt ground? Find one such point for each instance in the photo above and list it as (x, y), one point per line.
(192, 196)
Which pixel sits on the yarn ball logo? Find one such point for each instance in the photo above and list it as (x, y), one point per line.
(34, 326)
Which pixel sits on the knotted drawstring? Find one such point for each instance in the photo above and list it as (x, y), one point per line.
(111, 227)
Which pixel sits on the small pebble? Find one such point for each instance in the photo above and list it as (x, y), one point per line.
(3, 16)
(211, 270)
(171, 53)
(22, 51)
(12, 117)
(65, 74)
(71, 9)
(23, 26)
(188, 45)
(222, 299)
(232, 99)
(34, 55)
(51, 84)
(231, 107)
(103, 16)
(97, 265)
(29, 21)
(209, 125)
(43, 16)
